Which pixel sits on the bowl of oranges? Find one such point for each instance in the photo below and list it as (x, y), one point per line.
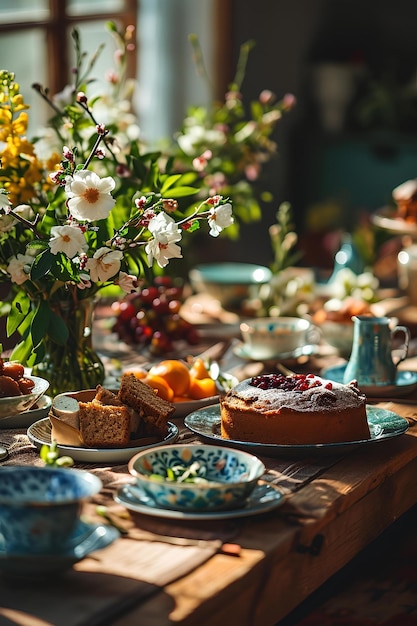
(189, 385)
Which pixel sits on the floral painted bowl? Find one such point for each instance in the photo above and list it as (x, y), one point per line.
(40, 506)
(219, 477)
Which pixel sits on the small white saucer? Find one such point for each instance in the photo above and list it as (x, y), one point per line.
(86, 538)
(243, 352)
(264, 498)
(406, 383)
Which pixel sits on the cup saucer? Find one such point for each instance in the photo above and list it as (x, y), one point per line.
(406, 383)
(243, 351)
(87, 538)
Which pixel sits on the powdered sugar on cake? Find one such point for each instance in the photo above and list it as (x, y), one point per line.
(301, 392)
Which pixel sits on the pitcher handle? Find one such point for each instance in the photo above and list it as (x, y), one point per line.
(402, 352)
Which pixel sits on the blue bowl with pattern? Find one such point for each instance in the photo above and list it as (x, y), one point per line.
(196, 477)
(40, 506)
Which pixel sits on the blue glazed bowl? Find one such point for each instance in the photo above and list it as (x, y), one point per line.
(40, 506)
(231, 476)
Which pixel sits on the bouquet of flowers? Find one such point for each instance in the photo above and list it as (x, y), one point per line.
(87, 209)
(81, 221)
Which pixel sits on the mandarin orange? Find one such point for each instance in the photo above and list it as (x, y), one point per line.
(175, 373)
(139, 373)
(160, 386)
(201, 388)
(199, 369)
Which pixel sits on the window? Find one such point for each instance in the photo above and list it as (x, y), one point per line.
(36, 42)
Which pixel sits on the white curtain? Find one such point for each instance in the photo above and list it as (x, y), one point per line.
(168, 81)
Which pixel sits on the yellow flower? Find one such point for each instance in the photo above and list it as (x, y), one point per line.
(20, 124)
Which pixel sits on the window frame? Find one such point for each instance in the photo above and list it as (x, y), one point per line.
(57, 28)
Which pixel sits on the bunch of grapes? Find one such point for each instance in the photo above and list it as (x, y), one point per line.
(151, 317)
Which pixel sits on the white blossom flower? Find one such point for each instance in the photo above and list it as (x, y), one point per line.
(64, 97)
(4, 201)
(198, 135)
(163, 247)
(19, 268)
(219, 217)
(90, 196)
(67, 239)
(8, 221)
(129, 283)
(104, 264)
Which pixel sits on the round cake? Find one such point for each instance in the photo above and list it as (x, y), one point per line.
(294, 410)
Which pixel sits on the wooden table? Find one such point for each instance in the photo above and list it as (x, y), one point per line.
(288, 553)
(283, 560)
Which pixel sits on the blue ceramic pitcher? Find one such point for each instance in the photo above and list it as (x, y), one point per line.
(371, 361)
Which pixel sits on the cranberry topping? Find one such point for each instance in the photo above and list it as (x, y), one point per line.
(297, 382)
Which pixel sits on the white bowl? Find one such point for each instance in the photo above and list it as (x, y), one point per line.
(231, 476)
(269, 337)
(229, 283)
(339, 335)
(13, 405)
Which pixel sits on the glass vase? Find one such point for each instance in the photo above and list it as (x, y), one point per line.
(75, 365)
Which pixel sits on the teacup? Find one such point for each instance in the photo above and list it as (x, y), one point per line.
(270, 337)
(40, 507)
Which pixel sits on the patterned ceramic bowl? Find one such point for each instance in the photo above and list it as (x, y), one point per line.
(40, 506)
(220, 477)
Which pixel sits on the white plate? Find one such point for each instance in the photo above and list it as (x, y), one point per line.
(383, 425)
(86, 538)
(25, 419)
(243, 352)
(39, 434)
(385, 218)
(406, 383)
(265, 497)
(183, 408)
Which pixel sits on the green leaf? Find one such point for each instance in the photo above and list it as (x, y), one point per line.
(182, 192)
(40, 323)
(19, 310)
(169, 182)
(22, 351)
(57, 330)
(42, 265)
(62, 268)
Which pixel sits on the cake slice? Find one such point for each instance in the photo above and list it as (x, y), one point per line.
(153, 409)
(107, 397)
(104, 425)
